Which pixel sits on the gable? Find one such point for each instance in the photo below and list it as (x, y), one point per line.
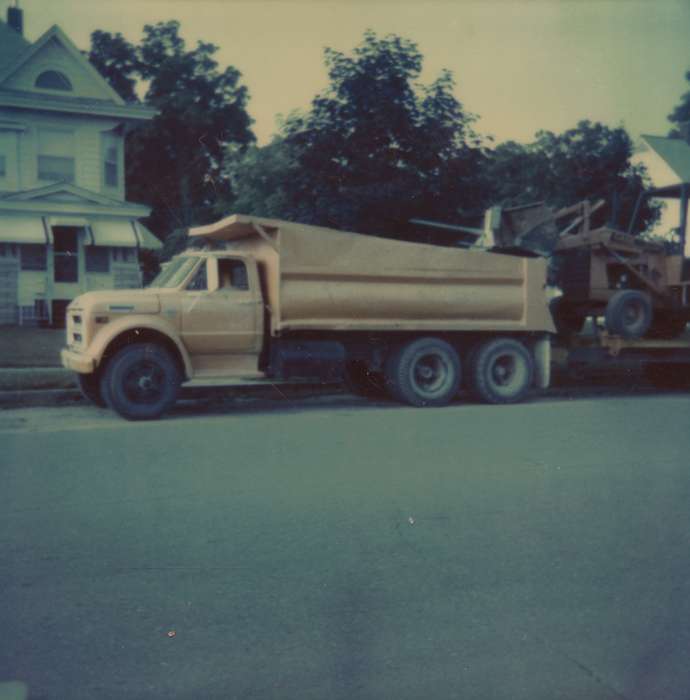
(54, 56)
(61, 192)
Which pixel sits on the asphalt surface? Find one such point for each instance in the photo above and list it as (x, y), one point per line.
(330, 548)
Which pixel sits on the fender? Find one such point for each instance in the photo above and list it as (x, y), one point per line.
(112, 330)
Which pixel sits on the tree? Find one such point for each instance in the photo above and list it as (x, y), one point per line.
(681, 112)
(374, 150)
(175, 162)
(117, 61)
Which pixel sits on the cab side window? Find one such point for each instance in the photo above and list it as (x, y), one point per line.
(199, 282)
(232, 274)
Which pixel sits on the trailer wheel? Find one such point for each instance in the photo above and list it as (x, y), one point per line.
(424, 372)
(360, 380)
(629, 313)
(90, 388)
(666, 325)
(141, 381)
(501, 371)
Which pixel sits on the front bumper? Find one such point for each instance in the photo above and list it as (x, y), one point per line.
(83, 364)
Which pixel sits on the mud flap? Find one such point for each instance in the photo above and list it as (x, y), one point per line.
(542, 362)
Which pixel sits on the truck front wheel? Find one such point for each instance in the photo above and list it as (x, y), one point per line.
(141, 381)
(424, 372)
(501, 371)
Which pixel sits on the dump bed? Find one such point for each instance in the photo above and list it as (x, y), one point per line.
(323, 279)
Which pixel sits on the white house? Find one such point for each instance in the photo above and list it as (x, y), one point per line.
(65, 226)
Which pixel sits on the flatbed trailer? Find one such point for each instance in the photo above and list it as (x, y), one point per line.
(665, 362)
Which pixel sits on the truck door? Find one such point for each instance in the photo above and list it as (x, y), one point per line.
(222, 312)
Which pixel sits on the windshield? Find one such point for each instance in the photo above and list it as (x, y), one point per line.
(174, 273)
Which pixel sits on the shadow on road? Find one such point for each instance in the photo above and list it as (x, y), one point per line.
(219, 401)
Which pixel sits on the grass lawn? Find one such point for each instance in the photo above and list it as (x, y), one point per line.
(23, 346)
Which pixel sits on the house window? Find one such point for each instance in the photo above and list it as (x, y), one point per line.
(110, 167)
(97, 259)
(56, 155)
(8, 250)
(110, 149)
(53, 80)
(33, 256)
(232, 274)
(125, 255)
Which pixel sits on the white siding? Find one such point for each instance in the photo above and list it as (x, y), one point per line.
(32, 286)
(98, 280)
(8, 150)
(54, 57)
(88, 149)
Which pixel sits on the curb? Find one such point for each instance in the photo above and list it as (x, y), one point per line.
(35, 378)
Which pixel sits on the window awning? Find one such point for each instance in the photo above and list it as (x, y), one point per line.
(22, 229)
(146, 238)
(118, 233)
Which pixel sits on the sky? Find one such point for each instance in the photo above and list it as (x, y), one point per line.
(520, 65)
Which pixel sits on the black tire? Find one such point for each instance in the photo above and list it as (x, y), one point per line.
(666, 324)
(141, 382)
(568, 319)
(360, 380)
(629, 313)
(424, 372)
(90, 388)
(501, 371)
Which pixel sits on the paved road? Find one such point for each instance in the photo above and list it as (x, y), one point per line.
(335, 549)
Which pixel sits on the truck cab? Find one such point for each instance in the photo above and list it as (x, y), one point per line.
(204, 311)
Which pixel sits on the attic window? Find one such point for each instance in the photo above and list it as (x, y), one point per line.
(53, 80)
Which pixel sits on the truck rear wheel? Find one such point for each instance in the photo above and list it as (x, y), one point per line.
(141, 381)
(629, 313)
(501, 371)
(89, 386)
(424, 372)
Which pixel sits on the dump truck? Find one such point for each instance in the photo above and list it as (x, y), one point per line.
(270, 301)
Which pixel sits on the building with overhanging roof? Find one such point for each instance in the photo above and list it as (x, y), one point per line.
(65, 225)
(668, 162)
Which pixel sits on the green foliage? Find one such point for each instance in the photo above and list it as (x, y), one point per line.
(175, 162)
(117, 61)
(261, 178)
(681, 112)
(374, 150)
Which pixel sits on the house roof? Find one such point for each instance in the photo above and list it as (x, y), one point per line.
(78, 105)
(12, 45)
(674, 152)
(65, 198)
(55, 33)
(15, 52)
